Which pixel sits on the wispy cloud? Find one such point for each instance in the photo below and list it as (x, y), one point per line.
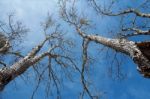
(31, 12)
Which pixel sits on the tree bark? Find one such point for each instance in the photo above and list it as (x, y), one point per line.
(127, 47)
(7, 74)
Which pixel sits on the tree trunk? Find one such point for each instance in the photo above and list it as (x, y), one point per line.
(130, 48)
(7, 74)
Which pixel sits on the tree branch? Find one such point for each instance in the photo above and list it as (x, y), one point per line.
(128, 11)
(136, 32)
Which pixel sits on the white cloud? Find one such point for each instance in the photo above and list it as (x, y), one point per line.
(31, 12)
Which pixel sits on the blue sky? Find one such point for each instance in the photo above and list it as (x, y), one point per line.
(32, 13)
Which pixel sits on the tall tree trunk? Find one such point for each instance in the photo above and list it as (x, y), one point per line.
(130, 48)
(7, 74)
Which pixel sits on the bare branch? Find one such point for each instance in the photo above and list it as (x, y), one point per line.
(84, 58)
(2, 63)
(136, 32)
(16, 54)
(128, 11)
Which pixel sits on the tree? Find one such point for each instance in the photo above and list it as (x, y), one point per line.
(20, 63)
(53, 50)
(137, 51)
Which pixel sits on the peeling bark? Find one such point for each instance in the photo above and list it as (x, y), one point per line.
(127, 47)
(5, 77)
(7, 74)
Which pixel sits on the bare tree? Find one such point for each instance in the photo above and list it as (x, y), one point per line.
(56, 49)
(137, 51)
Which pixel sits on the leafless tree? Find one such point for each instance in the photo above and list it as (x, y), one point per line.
(137, 51)
(56, 49)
